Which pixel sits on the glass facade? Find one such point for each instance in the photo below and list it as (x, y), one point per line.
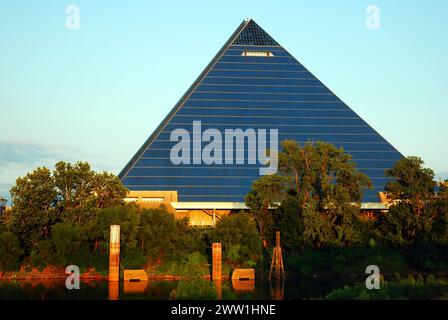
(259, 92)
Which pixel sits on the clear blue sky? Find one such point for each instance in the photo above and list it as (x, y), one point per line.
(97, 93)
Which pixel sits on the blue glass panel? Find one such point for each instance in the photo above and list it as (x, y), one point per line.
(256, 48)
(299, 81)
(195, 111)
(263, 97)
(261, 74)
(263, 89)
(259, 66)
(267, 104)
(247, 92)
(276, 59)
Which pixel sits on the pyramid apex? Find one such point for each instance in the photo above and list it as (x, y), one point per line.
(252, 34)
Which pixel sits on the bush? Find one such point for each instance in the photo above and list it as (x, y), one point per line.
(67, 245)
(240, 240)
(396, 225)
(10, 251)
(193, 265)
(133, 259)
(288, 221)
(124, 215)
(193, 239)
(158, 231)
(429, 257)
(399, 290)
(346, 261)
(197, 289)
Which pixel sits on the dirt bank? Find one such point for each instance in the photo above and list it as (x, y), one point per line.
(58, 273)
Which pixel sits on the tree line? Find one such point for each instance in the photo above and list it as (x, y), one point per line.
(315, 200)
(62, 217)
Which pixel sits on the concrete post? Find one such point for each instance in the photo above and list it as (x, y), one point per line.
(216, 261)
(114, 253)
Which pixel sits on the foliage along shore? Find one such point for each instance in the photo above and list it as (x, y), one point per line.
(58, 273)
(410, 288)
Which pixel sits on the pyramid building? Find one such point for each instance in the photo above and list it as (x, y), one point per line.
(252, 82)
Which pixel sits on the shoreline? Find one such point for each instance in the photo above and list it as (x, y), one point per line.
(96, 276)
(91, 274)
(51, 274)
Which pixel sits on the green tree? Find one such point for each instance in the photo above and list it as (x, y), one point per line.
(80, 187)
(290, 225)
(417, 213)
(33, 211)
(338, 186)
(398, 225)
(329, 190)
(240, 239)
(71, 193)
(158, 234)
(68, 244)
(439, 215)
(326, 191)
(321, 173)
(74, 183)
(36, 191)
(266, 194)
(413, 183)
(108, 190)
(437, 219)
(124, 215)
(10, 251)
(295, 163)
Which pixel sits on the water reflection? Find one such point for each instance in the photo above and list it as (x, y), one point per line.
(132, 287)
(277, 290)
(218, 285)
(303, 288)
(114, 290)
(243, 286)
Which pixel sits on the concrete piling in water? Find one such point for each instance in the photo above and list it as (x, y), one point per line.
(114, 253)
(217, 267)
(216, 261)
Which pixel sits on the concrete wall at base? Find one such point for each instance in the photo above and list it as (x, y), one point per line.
(202, 217)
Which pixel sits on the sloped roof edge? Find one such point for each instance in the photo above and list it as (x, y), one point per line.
(181, 101)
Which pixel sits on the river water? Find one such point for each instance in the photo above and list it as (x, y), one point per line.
(297, 289)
